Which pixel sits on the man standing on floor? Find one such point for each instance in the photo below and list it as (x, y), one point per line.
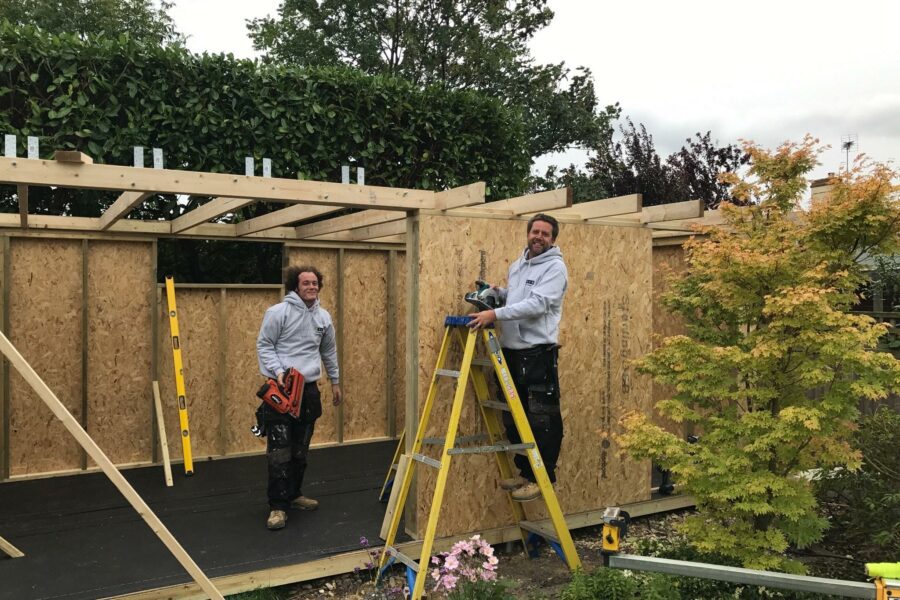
(297, 333)
(529, 332)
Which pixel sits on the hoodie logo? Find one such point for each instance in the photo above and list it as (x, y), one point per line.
(529, 282)
(320, 329)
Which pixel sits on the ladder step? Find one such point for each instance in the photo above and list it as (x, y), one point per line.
(462, 439)
(487, 449)
(448, 373)
(482, 362)
(496, 405)
(427, 460)
(394, 467)
(545, 531)
(406, 560)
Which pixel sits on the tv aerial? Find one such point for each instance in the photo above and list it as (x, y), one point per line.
(848, 142)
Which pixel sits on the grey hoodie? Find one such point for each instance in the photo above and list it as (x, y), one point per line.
(533, 300)
(294, 335)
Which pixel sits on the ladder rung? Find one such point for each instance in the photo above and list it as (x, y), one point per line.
(394, 467)
(540, 529)
(463, 439)
(448, 373)
(482, 362)
(427, 460)
(406, 560)
(486, 449)
(494, 404)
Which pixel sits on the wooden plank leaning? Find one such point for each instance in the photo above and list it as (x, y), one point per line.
(94, 451)
(163, 440)
(10, 550)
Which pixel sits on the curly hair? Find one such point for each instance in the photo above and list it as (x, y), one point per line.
(292, 277)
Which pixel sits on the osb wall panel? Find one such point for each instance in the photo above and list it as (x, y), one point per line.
(244, 310)
(606, 323)
(120, 348)
(45, 313)
(198, 326)
(325, 259)
(363, 381)
(668, 261)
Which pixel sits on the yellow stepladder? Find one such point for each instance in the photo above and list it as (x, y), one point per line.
(457, 328)
(392, 470)
(179, 379)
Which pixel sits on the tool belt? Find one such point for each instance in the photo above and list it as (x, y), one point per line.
(285, 400)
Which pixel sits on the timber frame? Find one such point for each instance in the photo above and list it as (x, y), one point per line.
(387, 220)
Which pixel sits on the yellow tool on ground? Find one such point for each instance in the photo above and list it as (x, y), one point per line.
(557, 533)
(179, 379)
(615, 527)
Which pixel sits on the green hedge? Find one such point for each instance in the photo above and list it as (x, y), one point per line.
(207, 112)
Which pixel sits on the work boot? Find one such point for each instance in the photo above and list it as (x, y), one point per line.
(277, 519)
(304, 503)
(527, 492)
(512, 483)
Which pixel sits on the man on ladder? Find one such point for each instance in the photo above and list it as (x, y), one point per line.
(529, 328)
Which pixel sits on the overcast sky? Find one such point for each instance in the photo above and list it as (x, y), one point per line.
(767, 70)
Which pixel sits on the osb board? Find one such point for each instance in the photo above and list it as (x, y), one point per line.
(45, 314)
(606, 322)
(399, 343)
(244, 310)
(668, 261)
(120, 348)
(198, 326)
(326, 260)
(364, 381)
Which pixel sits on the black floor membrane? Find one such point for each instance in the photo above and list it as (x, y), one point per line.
(82, 539)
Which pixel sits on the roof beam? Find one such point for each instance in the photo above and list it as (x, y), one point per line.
(164, 181)
(608, 207)
(285, 216)
(123, 205)
(542, 201)
(466, 195)
(209, 211)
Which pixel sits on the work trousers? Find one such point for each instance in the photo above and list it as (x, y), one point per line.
(287, 447)
(535, 374)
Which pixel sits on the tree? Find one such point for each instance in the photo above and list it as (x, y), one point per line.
(140, 19)
(633, 166)
(464, 44)
(773, 366)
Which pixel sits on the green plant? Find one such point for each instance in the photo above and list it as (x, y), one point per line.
(481, 590)
(765, 303)
(605, 583)
(864, 504)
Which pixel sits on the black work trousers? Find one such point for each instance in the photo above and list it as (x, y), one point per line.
(535, 374)
(287, 447)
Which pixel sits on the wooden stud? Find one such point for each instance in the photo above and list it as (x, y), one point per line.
(84, 344)
(163, 438)
(399, 474)
(412, 358)
(195, 183)
(390, 339)
(209, 211)
(4, 365)
(10, 550)
(285, 216)
(22, 193)
(86, 442)
(339, 412)
(223, 391)
(154, 292)
(72, 156)
(123, 205)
